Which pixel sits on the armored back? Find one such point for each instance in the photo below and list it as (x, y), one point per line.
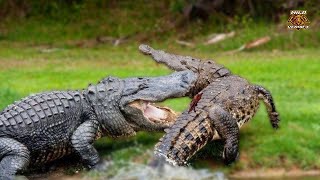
(104, 98)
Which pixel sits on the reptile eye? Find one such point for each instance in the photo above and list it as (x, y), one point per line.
(142, 86)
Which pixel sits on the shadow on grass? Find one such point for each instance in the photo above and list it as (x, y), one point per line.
(106, 145)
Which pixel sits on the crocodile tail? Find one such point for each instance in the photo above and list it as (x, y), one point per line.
(190, 133)
(266, 96)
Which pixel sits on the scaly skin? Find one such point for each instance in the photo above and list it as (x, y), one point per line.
(47, 126)
(207, 71)
(222, 104)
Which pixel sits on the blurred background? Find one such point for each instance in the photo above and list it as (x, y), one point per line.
(66, 44)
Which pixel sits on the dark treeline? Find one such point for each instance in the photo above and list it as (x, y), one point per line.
(266, 9)
(189, 9)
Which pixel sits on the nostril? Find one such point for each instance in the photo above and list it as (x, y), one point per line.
(145, 48)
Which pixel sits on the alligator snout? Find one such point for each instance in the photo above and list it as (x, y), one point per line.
(177, 84)
(188, 79)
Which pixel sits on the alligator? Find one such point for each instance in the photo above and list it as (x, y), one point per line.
(47, 126)
(221, 104)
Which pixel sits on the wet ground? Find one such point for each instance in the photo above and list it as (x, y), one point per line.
(137, 171)
(134, 171)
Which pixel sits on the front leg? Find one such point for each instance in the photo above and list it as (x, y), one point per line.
(228, 130)
(14, 156)
(82, 140)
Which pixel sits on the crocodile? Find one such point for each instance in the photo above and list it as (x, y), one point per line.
(221, 104)
(47, 126)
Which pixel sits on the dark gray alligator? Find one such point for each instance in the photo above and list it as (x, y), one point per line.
(47, 126)
(222, 103)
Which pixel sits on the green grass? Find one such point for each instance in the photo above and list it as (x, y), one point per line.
(292, 77)
(146, 22)
(288, 66)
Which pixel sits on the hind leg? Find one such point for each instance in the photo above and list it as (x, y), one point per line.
(15, 156)
(228, 130)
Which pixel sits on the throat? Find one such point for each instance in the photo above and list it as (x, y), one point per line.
(152, 112)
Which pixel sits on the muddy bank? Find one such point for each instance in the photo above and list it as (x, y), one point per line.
(276, 174)
(72, 169)
(134, 171)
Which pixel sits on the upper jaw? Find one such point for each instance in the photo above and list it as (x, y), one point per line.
(157, 89)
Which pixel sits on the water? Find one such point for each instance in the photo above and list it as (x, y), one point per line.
(136, 171)
(143, 172)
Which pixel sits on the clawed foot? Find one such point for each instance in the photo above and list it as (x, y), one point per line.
(229, 156)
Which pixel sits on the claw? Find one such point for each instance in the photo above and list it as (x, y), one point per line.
(229, 157)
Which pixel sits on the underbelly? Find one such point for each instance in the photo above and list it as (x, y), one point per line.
(49, 154)
(244, 114)
(46, 146)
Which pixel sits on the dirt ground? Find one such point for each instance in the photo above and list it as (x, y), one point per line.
(276, 174)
